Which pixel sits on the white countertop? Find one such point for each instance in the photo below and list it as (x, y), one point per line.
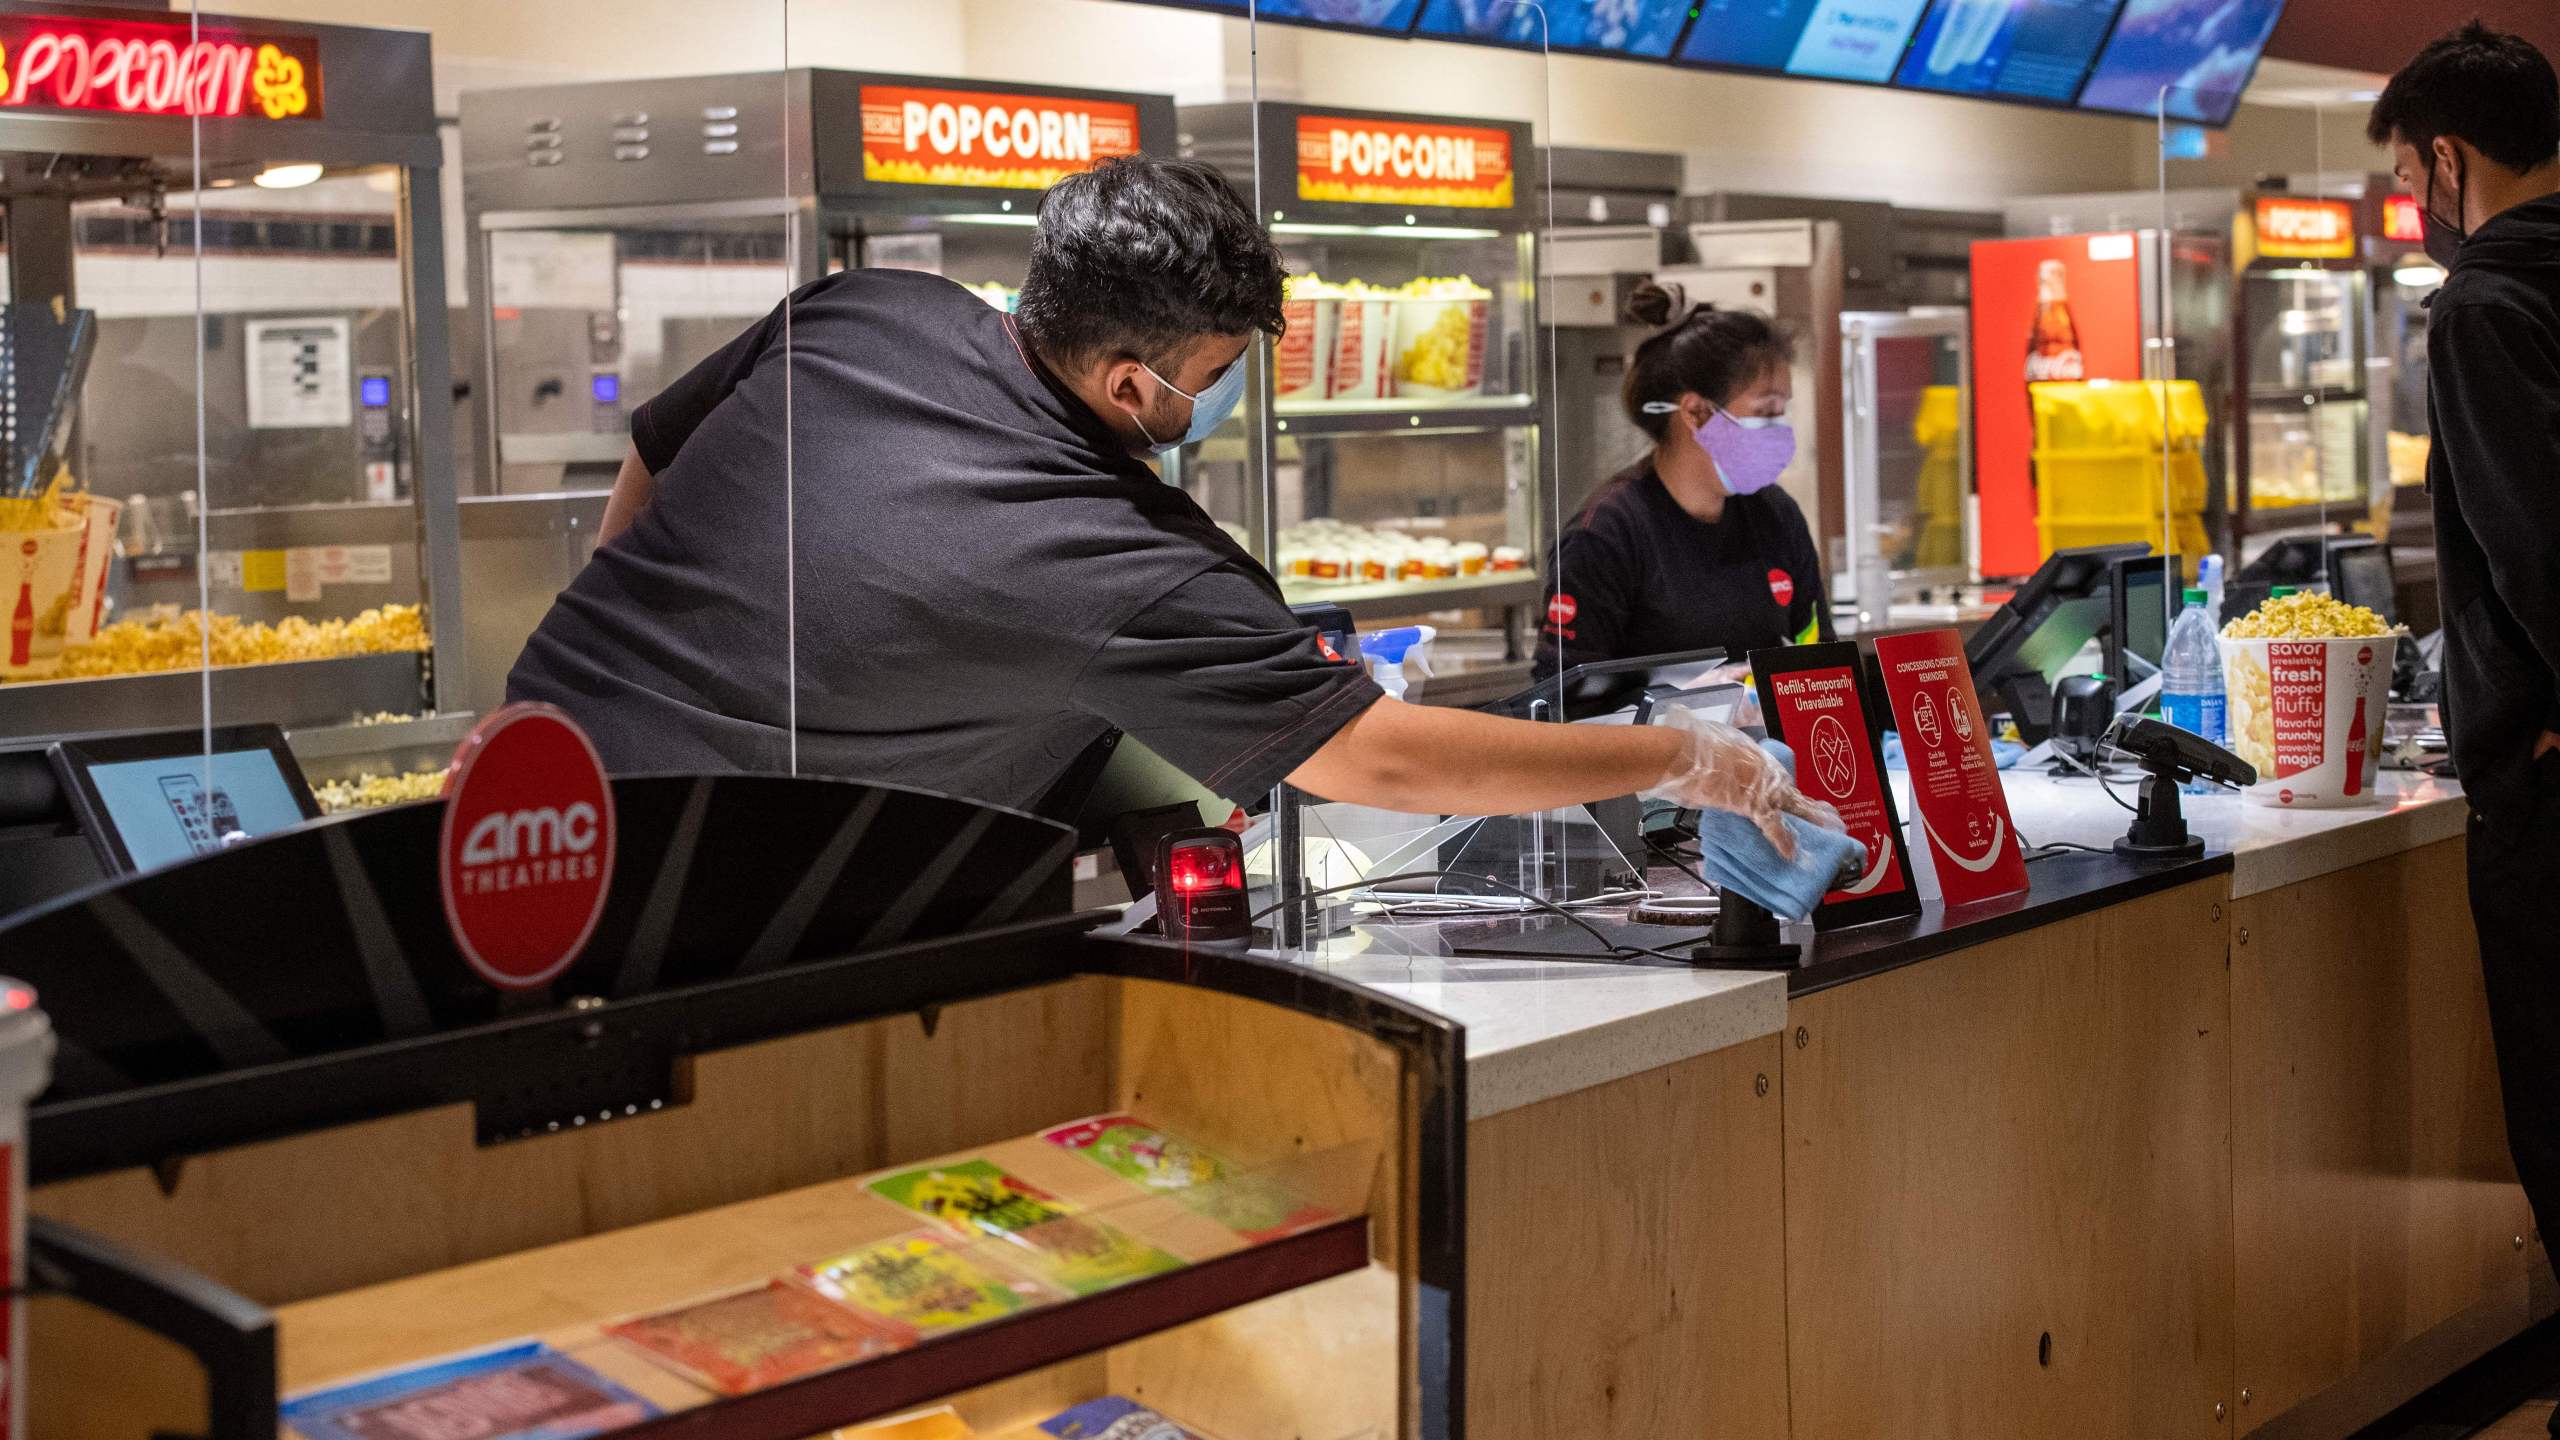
(1537, 1029)
(2270, 847)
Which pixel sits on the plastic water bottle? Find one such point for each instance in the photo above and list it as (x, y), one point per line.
(2191, 676)
(2209, 578)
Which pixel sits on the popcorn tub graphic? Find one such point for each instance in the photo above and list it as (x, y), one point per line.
(2309, 715)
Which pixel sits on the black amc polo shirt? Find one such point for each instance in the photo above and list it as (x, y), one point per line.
(981, 580)
(1637, 575)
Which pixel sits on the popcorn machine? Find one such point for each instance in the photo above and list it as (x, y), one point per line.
(1399, 422)
(620, 232)
(224, 355)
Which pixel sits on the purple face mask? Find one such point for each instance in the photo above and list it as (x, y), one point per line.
(1749, 454)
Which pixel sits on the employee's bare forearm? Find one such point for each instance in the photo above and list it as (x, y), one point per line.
(1426, 760)
(630, 496)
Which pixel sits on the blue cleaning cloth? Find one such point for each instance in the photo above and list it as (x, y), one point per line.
(1734, 856)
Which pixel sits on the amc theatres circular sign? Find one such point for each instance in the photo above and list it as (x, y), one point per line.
(527, 854)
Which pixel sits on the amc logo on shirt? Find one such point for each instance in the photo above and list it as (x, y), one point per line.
(1782, 588)
(1560, 613)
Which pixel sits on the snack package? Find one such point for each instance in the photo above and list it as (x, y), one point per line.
(525, 1391)
(1207, 1186)
(1302, 361)
(1364, 335)
(757, 1338)
(1440, 338)
(1114, 1418)
(919, 1279)
(939, 1423)
(978, 1199)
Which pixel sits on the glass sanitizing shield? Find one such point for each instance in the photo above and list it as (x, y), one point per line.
(1392, 462)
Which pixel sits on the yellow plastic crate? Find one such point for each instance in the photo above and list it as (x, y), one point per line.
(1937, 427)
(2080, 484)
(2119, 415)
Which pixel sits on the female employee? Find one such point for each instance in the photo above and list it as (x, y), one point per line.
(1692, 547)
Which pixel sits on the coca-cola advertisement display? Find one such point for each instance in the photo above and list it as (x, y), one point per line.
(2045, 311)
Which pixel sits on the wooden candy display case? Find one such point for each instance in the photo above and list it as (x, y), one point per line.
(821, 1030)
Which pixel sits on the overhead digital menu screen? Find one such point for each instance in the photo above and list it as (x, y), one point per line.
(2195, 55)
(2015, 49)
(1394, 17)
(1821, 39)
(1644, 28)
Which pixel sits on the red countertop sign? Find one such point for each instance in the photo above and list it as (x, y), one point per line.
(1955, 787)
(1822, 718)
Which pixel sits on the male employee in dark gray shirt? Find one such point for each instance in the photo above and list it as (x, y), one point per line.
(892, 533)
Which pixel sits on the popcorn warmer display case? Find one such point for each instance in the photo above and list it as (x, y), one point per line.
(1399, 422)
(227, 432)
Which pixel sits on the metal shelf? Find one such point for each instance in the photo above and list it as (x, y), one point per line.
(1408, 597)
(291, 693)
(1381, 417)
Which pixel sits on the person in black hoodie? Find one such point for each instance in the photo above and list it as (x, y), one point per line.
(2474, 127)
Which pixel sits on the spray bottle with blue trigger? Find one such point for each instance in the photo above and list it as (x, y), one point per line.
(1387, 652)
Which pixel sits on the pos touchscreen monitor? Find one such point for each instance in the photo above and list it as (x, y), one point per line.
(160, 797)
(1603, 687)
(2031, 642)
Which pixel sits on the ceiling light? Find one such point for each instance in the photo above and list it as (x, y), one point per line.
(289, 177)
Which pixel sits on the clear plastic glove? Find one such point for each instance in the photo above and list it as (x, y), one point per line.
(1724, 769)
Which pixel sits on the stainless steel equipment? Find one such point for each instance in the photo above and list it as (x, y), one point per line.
(620, 232)
(1613, 231)
(274, 275)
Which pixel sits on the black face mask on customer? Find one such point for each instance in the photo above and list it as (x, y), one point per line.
(2444, 237)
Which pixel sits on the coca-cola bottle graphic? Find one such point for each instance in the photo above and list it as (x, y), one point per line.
(2355, 750)
(22, 620)
(2053, 346)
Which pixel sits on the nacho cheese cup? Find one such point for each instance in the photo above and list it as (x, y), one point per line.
(2309, 715)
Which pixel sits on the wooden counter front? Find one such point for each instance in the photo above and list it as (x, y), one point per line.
(1626, 1258)
(2373, 1200)
(2008, 1186)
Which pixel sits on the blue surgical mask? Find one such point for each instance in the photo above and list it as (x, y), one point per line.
(1209, 409)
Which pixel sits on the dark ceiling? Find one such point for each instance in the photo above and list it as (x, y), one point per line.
(2381, 35)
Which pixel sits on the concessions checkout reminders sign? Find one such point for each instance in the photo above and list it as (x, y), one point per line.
(1955, 786)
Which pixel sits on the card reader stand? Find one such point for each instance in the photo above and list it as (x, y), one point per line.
(1748, 935)
(2159, 829)
(2169, 758)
